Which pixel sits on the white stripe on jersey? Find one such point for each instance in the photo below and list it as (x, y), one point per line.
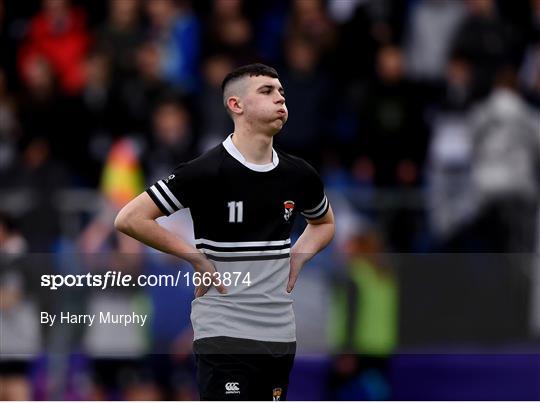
(310, 211)
(242, 244)
(164, 203)
(317, 213)
(246, 252)
(169, 193)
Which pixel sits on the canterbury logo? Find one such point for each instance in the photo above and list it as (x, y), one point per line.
(232, 387)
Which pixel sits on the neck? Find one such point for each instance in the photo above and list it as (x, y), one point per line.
(255, 147)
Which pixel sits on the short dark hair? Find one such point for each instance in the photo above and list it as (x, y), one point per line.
(251, 70)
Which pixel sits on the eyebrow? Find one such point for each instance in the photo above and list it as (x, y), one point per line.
(271, 87)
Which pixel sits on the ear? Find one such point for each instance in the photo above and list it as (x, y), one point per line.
(235, 105)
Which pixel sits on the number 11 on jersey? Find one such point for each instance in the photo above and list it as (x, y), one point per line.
(236, 211)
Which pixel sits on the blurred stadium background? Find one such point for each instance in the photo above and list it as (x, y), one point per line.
(422, 117)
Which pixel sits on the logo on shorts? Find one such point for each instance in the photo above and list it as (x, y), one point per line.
(276, 394)
(169, 178)
(232, 388)
(289, 207)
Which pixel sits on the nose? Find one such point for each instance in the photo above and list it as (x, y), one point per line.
(280, 99)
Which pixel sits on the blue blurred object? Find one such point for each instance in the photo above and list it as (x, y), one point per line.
(308, 378)
(465, 377)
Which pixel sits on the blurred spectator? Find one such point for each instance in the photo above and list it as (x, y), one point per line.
(486, 41)
(172, 340)
(58, 34)
(45, 113)
(392, 133)
(40, 111)
(231, 33)
(450, 202)
(9, 36)
(236, 38)
(365, 320)
(172, 141)
(4, 42)
(12, 243)
(530, 73)
(430, 30)
(307, 91)
(356, 47)
(215, 122)
(38, 173)
(506, 150)
(449, 198)
(120, 37)
(9, 128)
(97, 93)
(270, 30)
(535, 19)
(121, 180)
(309, 19)
(95, 115)
(117, 352)
(342, 11)
(457, 89)
(18, 312)
(175, 31)
(392, 143)
(224, 9)
(220, 11)
(140, 94)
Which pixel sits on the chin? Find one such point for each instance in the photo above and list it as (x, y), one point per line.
(277, 128)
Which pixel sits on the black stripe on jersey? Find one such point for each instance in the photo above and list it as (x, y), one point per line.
(322, 213)
(242, 248)
(167, 199)
(158, 202)
(318, 211)
(246, 258)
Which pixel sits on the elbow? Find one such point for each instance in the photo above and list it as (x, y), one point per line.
(332, 232)
(121, 222)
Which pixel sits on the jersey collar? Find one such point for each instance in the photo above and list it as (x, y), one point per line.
(237, 155)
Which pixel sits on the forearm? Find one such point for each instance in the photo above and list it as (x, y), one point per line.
(314, 238)
(150, 233)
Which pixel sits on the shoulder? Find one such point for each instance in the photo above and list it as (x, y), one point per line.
(206, 164)
(298, 165)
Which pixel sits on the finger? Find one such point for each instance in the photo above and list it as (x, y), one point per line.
(292, 281)
(200, 291)
(219, 284)
(290, 286)
(221, 289)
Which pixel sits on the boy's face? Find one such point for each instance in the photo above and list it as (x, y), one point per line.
(263, 103)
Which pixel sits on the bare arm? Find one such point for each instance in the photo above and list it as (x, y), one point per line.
(315, 237)
(138, 220)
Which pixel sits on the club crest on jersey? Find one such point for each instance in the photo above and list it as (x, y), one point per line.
(276, 394)
(289, 207)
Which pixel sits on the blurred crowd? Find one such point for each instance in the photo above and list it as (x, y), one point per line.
(382, 94)
(428, 107)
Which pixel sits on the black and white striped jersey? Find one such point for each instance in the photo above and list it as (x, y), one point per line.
(242, 218)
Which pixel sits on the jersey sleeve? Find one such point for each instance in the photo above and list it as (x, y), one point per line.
(174, 192)
(315, 203)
